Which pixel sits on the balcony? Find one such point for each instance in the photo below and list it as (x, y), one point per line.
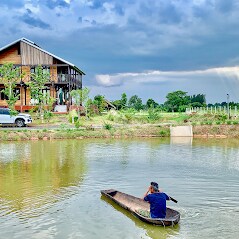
(63, 78)
(68, 78)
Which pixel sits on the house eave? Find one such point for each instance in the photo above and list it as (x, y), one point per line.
(31, 43)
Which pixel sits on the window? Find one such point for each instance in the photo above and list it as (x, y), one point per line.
(46, 93)
(4, 111)
(18, 70)
(33, 69)
(2, 95)
(45, 70)
(16, 92)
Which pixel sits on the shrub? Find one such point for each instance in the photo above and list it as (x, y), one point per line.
(73, 115)
(108, 126)
(128, 117)
(218, 122)
(48, 115)
(153, 115)
(164, 133)
(229, 122)
(79, 123)
(110, 117)
(222, 117)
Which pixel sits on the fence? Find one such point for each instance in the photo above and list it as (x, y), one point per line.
(231, 111)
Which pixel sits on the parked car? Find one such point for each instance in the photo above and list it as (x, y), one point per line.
(20, 120)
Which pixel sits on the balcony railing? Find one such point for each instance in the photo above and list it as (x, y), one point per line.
(63, 78)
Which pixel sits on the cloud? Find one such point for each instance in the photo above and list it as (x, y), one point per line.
(215, 83)
(225, 6)
(52, 4)
(96, 4)
(157, 77)
(33, 21)
(110, 37)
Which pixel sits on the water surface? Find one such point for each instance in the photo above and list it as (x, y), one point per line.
(51, 189)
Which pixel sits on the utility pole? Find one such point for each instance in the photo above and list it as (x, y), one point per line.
(228, 111)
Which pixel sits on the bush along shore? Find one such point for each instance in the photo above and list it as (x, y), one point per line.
(123, 124)
(109, 131)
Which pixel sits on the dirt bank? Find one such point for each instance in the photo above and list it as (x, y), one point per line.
(216, 131)
(202, 131)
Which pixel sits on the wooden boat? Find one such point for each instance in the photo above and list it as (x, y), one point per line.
(134, 205)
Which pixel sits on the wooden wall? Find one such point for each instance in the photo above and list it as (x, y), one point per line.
(32, 56)
(53, 73)
(22, 98)
(10, 55)
(26, 70)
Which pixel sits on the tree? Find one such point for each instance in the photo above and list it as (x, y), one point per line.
(198, 99)
(177, 101)
(37, 85)
(10, 76)
(151, 103)
(123, 100)
(135, 102)
(117, 104)
(81, 97)
(99, 101)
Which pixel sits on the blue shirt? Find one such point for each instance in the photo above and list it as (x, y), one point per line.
(157, 204)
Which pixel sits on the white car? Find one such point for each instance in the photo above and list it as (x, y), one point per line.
(19, 120)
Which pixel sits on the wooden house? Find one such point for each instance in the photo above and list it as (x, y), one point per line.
(27, 55)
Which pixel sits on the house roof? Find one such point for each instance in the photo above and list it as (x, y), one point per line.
(109, 103)
(33, 44)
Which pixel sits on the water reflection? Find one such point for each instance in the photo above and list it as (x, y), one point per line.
(35, 175)
(151, 231)
(51, 189)
(181, 140)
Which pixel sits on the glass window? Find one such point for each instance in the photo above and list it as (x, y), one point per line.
(46, 69)
(16, 92)
(33, 69)
(5, 112)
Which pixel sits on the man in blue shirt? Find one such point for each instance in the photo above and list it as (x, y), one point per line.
(157, 201)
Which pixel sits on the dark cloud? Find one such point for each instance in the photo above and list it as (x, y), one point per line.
(33, 21)
(225, 6)
(164, 11)
(168, 14)
(96, 4)
(201, 12)
(133, 36)
(52, 4)
(119, 9)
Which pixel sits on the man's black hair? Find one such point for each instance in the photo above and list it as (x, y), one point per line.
(155, 186)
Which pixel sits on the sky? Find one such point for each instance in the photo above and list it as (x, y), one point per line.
(141, 47)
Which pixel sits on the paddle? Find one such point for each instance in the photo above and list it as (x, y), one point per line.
(172, 199)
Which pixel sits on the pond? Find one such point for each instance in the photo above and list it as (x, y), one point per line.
(51, 189)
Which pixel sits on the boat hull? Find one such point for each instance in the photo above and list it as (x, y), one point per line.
(134, 204)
